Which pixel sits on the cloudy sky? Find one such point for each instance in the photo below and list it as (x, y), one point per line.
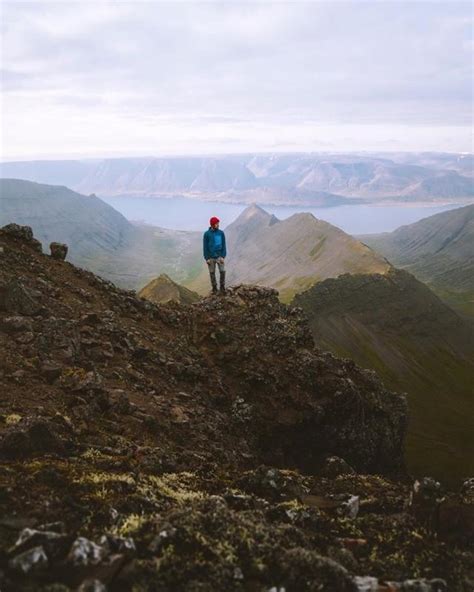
(150, 78)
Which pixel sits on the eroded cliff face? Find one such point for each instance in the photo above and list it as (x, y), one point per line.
(191, 446)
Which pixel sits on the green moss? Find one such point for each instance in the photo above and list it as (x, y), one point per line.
(100, 478)
(12, 418)
(317, 248)
(130, 526)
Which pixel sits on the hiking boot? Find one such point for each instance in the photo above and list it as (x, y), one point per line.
(222, 281)
(213, 282)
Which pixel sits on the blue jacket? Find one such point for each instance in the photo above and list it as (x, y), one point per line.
(213, 244)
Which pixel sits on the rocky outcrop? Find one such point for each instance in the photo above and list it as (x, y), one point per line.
(22, 234)
(190, 446)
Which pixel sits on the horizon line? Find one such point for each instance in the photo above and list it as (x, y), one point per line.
(225, 154)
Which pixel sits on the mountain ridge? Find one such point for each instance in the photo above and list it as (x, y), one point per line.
(439, 251)
(318, 179)
(289, 254)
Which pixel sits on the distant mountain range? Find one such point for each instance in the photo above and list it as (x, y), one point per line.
(289, 255)
(395, 325)
(312, 179)
(99, 237)
(438, 250)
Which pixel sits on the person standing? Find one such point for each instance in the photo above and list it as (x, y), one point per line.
(214, 250)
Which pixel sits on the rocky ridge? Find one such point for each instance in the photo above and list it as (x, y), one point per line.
(200, 447)
(289, 255)
(438, 250)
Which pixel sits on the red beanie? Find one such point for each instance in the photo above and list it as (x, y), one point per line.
(213, 220)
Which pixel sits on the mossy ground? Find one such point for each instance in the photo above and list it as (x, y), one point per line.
(209, 530)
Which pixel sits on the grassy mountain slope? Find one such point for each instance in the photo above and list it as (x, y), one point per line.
(290, 255)
(438, 250)
(395, 325)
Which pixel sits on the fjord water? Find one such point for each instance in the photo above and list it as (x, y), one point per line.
(182, 213)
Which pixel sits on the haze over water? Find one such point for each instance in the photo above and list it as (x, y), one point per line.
(180, 213)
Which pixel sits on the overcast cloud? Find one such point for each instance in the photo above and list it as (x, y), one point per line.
(130, 78)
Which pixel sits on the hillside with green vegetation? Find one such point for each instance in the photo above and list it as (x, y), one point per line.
(439, 251)
(396, 326)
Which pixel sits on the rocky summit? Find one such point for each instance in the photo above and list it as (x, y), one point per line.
(201, 447)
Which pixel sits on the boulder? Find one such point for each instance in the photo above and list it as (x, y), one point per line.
(333, 466)
(30, 438)
(22, 233)
(58, 251)
(33, 560)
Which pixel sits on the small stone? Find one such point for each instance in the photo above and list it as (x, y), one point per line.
(51, 372)
(16, 298)
(425, 500)
(92, 586)
(90, 318)
(350, 507)
(34, 559)
(85, 552)
(467, 491)
(30, 537)
(55, 527)
(366, 584)
(39, 436)
(124, 545)
(333, 466)
(16, 324)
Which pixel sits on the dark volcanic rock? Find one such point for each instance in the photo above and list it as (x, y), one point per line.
(15, 297)
(24, 234)
(17, 324)
(333, 466)
(58, 251)
(30, 438)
